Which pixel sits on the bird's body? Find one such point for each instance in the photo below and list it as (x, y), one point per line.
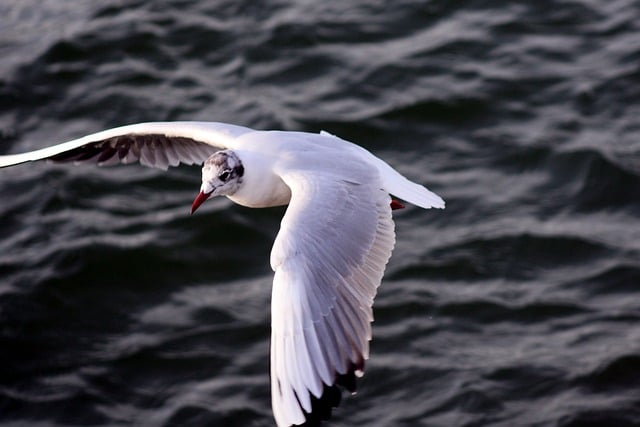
(329, 256)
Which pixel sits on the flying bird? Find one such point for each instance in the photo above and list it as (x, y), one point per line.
(329, 256)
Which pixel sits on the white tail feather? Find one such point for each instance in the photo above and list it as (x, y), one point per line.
(406, 190)
(396, 184)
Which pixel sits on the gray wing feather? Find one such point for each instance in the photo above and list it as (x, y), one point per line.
(156, 144)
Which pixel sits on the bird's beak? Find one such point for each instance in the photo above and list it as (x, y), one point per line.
(200, 198)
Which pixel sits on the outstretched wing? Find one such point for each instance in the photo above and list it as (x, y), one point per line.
(156, 144)
(329, 257)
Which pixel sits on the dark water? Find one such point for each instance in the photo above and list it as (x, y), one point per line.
(519, 305)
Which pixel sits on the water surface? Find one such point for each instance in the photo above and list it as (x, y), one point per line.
(516, 306)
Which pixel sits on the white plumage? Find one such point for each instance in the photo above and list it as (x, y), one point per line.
(329, 256)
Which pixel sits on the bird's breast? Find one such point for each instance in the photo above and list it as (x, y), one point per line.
(261, 196)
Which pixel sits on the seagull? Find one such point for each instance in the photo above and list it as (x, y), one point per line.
(329, 256)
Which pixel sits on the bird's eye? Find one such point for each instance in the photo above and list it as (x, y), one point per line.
(224, 176)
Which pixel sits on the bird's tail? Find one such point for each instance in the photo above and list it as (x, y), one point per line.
(399, 186)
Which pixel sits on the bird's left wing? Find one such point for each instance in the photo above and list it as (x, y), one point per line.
(329, 257)
(154, 144)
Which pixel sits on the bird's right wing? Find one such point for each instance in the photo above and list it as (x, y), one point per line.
(154, 144)
(329, 256)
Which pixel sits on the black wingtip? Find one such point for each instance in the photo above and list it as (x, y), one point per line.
(322, 407)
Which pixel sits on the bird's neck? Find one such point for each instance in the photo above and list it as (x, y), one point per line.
(261, 187)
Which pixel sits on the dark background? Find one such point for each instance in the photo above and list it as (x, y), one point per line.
(518, 305)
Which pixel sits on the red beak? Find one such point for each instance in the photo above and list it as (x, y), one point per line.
(200, 198)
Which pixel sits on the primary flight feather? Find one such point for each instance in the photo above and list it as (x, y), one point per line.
(328, 257)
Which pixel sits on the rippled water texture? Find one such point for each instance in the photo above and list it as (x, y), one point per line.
(516, 306)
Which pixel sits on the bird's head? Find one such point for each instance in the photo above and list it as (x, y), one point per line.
(221, 176)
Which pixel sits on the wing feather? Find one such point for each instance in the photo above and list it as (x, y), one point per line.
(329, 256)
(157, 144)
(172, 154)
